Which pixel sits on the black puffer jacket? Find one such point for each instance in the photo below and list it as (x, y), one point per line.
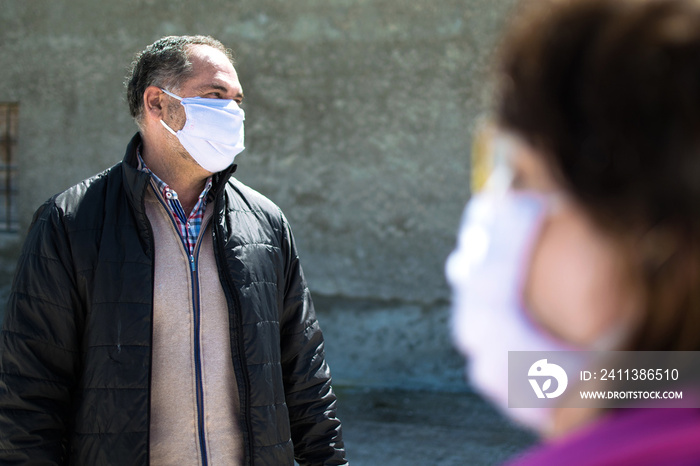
(75, 354)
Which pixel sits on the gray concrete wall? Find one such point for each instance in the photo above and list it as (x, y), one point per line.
(358, 125)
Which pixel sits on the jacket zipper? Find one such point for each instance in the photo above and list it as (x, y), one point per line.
(196, 311)
(232, 297)
(152, 245)
(197, 316)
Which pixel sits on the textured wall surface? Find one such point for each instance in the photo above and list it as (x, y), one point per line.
(358, 125)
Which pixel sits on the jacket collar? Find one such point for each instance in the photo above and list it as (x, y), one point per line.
(136, 180)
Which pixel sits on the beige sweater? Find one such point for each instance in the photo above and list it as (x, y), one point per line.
(174, 429)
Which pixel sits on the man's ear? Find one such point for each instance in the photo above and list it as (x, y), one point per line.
(153, 103)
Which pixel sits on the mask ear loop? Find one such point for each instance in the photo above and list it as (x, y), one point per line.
(492, 149)
(168, 127)
(171, 94)
(501, 178)
(161, 120)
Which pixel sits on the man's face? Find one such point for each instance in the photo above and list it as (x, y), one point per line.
(213, 77)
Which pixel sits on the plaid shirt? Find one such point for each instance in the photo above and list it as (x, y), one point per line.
(188, 227)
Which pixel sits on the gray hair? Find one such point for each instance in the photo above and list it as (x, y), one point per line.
(165, 64)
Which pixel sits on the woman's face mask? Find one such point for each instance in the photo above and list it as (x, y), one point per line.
(486, 272)
(502, 234)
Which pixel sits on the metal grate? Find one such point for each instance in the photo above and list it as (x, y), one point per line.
(9, 116)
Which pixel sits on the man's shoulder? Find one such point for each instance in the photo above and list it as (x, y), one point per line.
(90, 191)
(248, 198)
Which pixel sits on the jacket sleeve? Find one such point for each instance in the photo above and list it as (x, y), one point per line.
(38, 348)
(316, 431)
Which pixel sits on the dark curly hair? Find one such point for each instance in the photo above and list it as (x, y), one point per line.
(608, 91)
(165, 63)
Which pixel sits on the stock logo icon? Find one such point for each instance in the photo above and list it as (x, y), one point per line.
(545, 372)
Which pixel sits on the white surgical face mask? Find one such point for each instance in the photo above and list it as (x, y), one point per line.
(213, 133)
(487, 272)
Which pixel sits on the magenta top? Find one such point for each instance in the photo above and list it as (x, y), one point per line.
(631, 436)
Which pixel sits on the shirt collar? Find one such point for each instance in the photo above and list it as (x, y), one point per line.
(167, 191)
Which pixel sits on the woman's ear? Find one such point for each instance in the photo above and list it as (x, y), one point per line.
(657, 246)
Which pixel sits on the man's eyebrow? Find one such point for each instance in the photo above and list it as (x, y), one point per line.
(218, 87)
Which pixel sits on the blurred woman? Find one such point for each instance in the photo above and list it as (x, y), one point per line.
(588, 237)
